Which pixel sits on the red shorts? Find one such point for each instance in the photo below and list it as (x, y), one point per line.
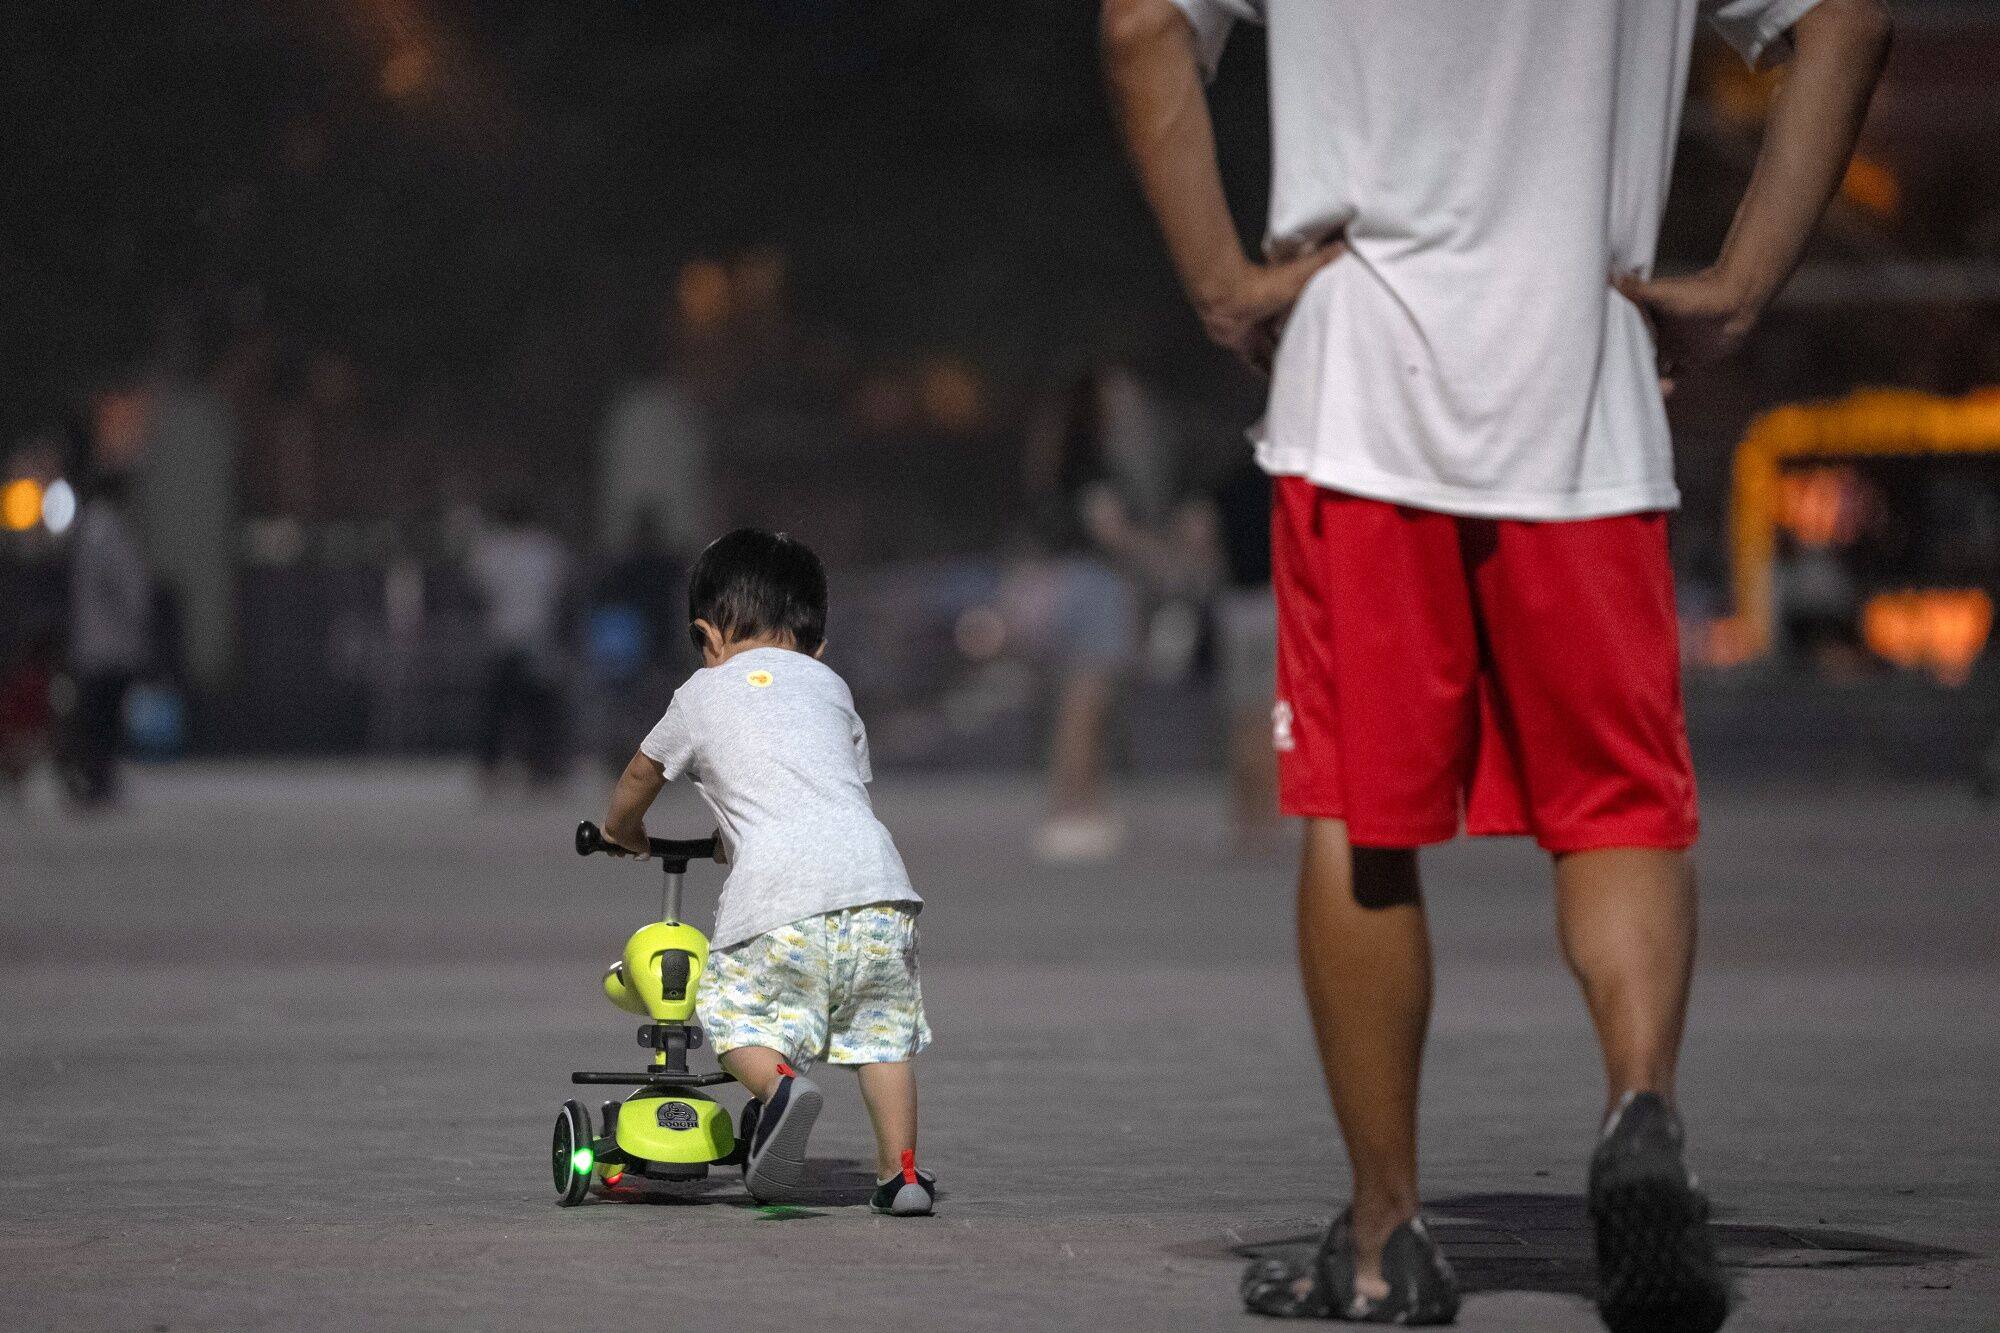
(1526, 674)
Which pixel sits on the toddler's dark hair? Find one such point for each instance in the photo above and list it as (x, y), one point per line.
(751, 582)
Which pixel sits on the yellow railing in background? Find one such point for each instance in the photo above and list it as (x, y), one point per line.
(1868, 423)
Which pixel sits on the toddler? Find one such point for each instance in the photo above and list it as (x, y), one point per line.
(814, 953)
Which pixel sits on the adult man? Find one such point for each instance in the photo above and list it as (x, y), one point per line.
(1473, 472)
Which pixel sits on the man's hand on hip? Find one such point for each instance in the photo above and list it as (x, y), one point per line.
(1696, 319)
(1246, 312)
(1154, 76)
(1840, 46)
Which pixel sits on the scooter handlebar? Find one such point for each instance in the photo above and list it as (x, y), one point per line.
(590, 839)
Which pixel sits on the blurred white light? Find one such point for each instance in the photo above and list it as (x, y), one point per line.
(58, 506)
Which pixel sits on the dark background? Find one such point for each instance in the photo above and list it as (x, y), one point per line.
(417, 245)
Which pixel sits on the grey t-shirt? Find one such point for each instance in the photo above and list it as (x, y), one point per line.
(771, 741)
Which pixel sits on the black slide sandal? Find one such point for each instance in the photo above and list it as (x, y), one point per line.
(1422, 1288)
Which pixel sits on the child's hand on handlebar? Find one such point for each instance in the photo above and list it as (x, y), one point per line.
(625, 821)
(629, 840)
(721, 849)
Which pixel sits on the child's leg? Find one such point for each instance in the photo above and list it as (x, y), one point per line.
(755, 1067)
(890, 1091)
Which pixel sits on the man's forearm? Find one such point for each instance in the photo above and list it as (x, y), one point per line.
(1154, 77)
(1840, 47)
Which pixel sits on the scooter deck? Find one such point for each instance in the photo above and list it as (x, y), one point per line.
(660, 1077)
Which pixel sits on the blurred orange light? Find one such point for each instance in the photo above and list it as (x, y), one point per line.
(703, 294)
(1872, 186)
(406, 73)
(1742, 96)
(1821, 506)
(21, 504)
(123, 419)
(951, 395)
(1942, 630)
(1891, 628)
(1725, 642)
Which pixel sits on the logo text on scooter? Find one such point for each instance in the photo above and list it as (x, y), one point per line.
(678, 1115)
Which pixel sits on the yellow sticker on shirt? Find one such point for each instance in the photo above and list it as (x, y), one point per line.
(760, 678)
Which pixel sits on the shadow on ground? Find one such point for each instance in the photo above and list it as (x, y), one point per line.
(829, 1183)
(1542, 1242)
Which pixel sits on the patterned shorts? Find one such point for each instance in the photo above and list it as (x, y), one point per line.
(841, 987)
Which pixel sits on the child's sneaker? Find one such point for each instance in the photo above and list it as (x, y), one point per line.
(775, 1167)
(912, 1193)
(1656, 1265)
(746, 1134)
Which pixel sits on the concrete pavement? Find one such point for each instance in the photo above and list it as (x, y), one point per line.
(284, 1043)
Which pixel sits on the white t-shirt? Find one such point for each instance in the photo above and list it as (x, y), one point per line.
(1493, 163)
(772, 742)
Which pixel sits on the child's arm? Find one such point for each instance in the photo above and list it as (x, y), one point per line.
(625, 822)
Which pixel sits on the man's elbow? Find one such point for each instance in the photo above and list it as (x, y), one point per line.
(1125, 26)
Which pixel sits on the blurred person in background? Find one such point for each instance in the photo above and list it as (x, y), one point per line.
(655, 449)
(1467, 352)
(523, 575)
(646, 578)
(638, 606)
(1098, 488)
(110, 636)
(1246, 640)
(27, 721)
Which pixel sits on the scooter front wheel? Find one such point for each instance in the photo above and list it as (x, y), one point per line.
(572, 1154)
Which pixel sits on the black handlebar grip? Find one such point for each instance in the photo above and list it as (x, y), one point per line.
(590, 839)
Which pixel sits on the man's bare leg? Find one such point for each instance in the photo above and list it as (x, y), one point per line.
(1626, 918)
(1627, 922)
(1365, 956)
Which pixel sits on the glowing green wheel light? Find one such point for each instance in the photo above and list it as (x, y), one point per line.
(572, 1153)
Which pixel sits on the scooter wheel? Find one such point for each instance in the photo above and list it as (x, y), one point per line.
(571, 1154)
